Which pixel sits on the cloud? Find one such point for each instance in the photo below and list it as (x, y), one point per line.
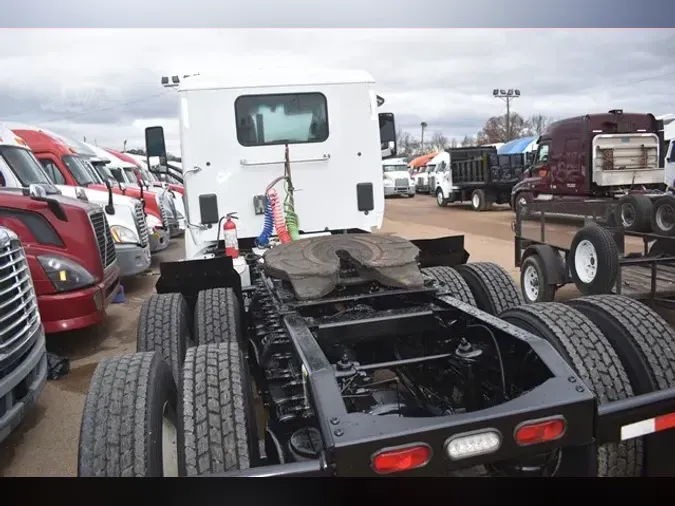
(105, 84)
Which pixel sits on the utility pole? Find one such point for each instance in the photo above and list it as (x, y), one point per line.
(424, 126)
(507, 96)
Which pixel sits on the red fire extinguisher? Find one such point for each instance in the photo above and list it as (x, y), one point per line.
(230, 236)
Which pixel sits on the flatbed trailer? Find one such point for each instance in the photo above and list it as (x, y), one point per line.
(478, 175)
(647, 275)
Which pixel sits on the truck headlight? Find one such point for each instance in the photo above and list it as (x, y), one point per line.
(122, 234)
(153, 222)
(65, 274)
(388, 182)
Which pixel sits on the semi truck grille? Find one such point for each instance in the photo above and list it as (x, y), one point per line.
(432, 182)
(106, 245)
(19, 315)
(141, 224)
(164, 212)
(401, 183)
(420, 181)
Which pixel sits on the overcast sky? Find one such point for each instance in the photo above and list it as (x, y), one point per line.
(105, 84)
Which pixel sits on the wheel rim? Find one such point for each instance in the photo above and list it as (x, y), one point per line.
(169, 442)
(531, 283)
(627, 214)
(665, 217)
(475, 200)
(439, 196)
(586, 261)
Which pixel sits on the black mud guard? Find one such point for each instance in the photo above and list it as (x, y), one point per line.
(552, 263)
(190, 277)
(448, 251)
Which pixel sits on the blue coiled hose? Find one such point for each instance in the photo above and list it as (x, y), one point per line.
(268, 228)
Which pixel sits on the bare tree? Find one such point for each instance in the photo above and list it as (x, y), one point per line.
(406, 144)
(538, 123)
(494, 129)
(453, 143)
(468, 141)
(438, 141)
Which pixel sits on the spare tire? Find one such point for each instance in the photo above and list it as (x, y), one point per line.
(594, 260)
(663, 216)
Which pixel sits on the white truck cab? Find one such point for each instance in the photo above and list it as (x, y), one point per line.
(438, 173)
(670, 163)
(295, 146)
(397, 180)
(19, 168)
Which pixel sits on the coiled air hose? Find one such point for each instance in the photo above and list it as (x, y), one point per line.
(268, 228)
(291, 216)
(278, 215)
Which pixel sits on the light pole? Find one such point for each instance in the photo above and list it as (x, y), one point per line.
(424, 126)
(507, 96)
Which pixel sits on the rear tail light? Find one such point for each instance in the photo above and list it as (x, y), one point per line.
(401, 458)
(540, 431)
(463, 446)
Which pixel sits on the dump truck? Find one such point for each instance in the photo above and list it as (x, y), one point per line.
(293, 340)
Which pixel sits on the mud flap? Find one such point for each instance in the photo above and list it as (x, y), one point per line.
(448, 251)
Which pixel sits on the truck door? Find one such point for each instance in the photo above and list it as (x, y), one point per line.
(569, 176)
(670, 164)
(53, 171)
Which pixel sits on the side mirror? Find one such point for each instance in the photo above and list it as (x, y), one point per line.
(387, 134)
(37, 191)
(154, 143)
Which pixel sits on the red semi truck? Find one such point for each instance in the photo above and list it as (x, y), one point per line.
(613, 155)
(73, 170)
(70, 253)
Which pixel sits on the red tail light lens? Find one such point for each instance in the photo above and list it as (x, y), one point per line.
(403, 458)
(540, 431)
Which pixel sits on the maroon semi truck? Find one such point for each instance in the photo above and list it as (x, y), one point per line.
(613, 155)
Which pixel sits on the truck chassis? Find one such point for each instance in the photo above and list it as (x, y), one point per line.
(363, 366)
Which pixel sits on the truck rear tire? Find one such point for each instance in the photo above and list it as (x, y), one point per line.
(493, 288)
(451, 283)
(129, 419)
(663, 216)
(217, 413)
(589, 352)
(634, 213)
(534, 283)
(479, 201)
(594, 260)
(217, 317)
(645, 344)
(164, 326)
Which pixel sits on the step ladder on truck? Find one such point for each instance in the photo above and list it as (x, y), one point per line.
(371, 354)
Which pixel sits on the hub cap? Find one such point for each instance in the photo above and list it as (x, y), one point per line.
(439, 196)
(627, 214)
(475, 200)
(665, 217)
(531, 283)
(586, 261)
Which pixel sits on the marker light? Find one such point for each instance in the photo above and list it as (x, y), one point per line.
(473, 444)
(401, 458)
(540, 431)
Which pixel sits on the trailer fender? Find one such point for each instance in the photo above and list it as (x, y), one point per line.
(552, 263)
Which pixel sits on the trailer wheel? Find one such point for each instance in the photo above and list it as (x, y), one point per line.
(129, 419)
(594, 260)
(217, 316)
(493, 288)
(634, 212)
(451, 283)
(218, 416)
(645, 343)
(534, 283)
(164, 326)
(663, 216)
(479, 200)
(440, 198)
(589, 352)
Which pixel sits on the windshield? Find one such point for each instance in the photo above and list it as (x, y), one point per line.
(24, 166)
(131, 175)
(92, 171)
(395, 168)
(78, 170)
(103, 171)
